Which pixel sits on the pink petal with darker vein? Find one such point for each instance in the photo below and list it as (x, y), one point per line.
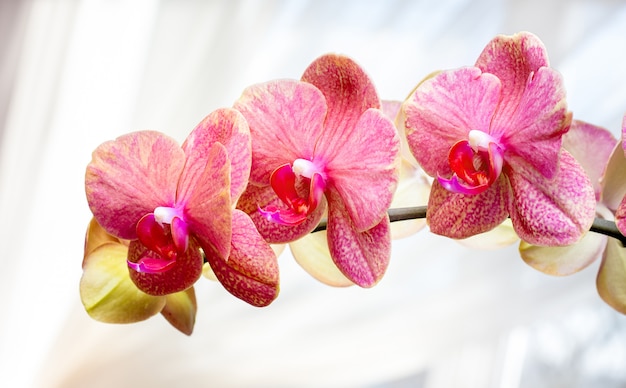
(129, 177)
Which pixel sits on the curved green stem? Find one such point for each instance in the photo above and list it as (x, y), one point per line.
(600, 225)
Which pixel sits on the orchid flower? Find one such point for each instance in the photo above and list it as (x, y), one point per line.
(176, 206)
(320, 144)
(603, 159)
(109, 295)
(311, 251)
(491, 135)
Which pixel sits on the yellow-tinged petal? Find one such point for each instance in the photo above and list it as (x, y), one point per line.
(614, 179)
(566, 260)
(311, 252)
(611, 280)
(499, 237)
(96, 236)
(180, 310)
(107, 292)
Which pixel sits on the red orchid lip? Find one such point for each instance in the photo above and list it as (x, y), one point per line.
(476, 164)
(283, 181)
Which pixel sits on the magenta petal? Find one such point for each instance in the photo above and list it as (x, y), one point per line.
(459, 216)
(442, 111)
(362, 257)
(286, 119)
(256, 197)
(169, 278)
(555, 211)
(129, 177)
(363, 168)
(251, 271)
(180, 234)
(282, 216)
(228, 127)
(591, 146)
(348, 91)
(152, 265)
(207, 206)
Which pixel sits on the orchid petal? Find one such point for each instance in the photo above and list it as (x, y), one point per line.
(180, 310)
(533, 99)
(501, 236)
(393, 110)
(129, 177)
(207, 204)
(313, 255)
(178, 276)
(362, 257)
(460, 216)
(107, 292)
(613, 181)
(364, 172)
(610, 281)
(513, 59)
(591, 146)
(442, 111)
(251, 272)
(348, 91)
(257, 197)
(96, 236)
(539, 122)
(566, 260)
(286, 119)
(228, 127)
(555, 211)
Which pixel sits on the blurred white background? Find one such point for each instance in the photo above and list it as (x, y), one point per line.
(76, 73)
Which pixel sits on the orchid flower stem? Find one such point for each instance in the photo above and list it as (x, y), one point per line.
(599, 225)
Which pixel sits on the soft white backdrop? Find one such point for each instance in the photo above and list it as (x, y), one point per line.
(76, 73)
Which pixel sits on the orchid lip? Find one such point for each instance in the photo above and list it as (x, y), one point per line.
(283, 181)
(475, 163)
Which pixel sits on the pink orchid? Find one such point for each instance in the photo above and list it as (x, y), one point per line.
(176, 203)
(603, 159)
(491, 134)
(109, 295)
(323, 143)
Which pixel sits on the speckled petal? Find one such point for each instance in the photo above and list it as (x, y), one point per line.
(562, 261)
(611, 277)
(230, 128)
(501, 236)
(256, 197)
(442, 111)
(286, 119)
(107, 292)
(551, 212)
(180, 310)
(364, 172)
(182, 275)
(362, 257)
(129, 177)
(251, 271)
(311, 252)
(204, 188)
(591, 146)
(460, 216)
